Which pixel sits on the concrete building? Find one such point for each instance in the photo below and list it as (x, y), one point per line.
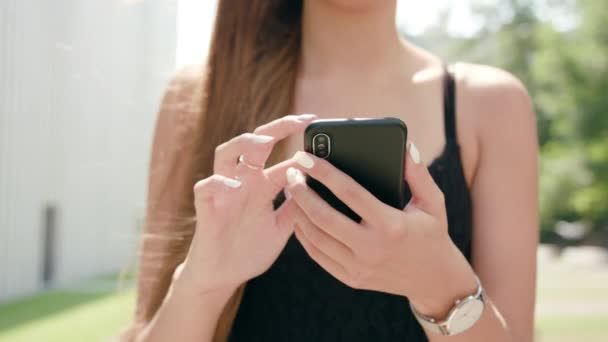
(80, 83)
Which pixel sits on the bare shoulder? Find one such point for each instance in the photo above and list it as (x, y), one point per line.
(494, 100)
(183, 93)
(186, 79)
(175, 128)
(496, 117)
(490, 93)
(179, 108)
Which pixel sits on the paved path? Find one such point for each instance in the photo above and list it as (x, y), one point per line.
(573, 283)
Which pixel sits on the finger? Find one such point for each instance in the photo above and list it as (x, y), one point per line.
(326, 243)
(280, 129)
(285, 217)
(355, 196)
(426, 195)
(254, 146)
(327, 263)
(286, 126)
(276, 175)
(211, 187)
(320, 212)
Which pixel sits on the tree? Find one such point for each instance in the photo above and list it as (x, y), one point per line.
(565, 68)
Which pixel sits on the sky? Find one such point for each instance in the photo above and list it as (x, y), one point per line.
(195, 18)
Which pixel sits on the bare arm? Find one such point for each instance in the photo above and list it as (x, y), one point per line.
(187, 314)
(505, 205)
(234, 222)
(505, 197)
(168, 231)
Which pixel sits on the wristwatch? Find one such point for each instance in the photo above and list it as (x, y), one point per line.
(465, 313)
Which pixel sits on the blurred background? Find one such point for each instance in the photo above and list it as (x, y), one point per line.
(80, 83)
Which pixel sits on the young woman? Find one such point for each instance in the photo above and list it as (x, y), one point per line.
(221, 263)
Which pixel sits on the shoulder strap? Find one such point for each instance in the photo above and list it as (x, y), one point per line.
(449, 105)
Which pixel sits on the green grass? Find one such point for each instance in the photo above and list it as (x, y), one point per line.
(66, 316)
(567, 302)
(572, 329)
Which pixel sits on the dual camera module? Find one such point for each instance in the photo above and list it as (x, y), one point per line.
(321, 145)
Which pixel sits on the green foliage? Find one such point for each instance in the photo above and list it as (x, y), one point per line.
(571, 78)
(565, 67)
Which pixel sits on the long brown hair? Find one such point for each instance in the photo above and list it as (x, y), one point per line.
(252, 69)
(249, 79)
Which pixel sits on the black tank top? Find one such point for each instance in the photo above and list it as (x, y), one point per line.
(297, 300)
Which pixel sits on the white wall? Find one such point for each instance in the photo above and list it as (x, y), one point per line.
(195, 19)
(80, 82)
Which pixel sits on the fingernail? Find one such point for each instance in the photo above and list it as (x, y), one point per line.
(232, 183)
(262, 139)
(286, 192)
(307, 116)
(304, 160)
(293, 176)
(414, 153)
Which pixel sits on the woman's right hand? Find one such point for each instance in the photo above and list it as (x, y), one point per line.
(238, 233)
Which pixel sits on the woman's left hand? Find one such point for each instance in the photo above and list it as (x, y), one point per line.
(405, 252)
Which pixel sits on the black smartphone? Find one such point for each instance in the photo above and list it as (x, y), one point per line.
(371, 151)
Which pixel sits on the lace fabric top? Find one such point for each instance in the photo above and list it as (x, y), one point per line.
(297, 300)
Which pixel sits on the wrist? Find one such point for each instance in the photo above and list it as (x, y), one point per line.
(454, 280)
(187, 283)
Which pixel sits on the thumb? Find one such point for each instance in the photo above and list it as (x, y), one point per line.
(285, 217)
(426, 195)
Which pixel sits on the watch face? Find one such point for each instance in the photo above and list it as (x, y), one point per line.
(466, 315)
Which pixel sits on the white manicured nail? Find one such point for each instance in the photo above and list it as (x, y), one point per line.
(414, 153)
(262, 139)
(307, 116)
(293, 176)
(232, 183)
(304, 160)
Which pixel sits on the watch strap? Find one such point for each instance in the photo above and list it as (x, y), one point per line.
(441, 327)
(431, 325)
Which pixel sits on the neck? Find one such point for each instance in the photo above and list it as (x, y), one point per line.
(336, 40)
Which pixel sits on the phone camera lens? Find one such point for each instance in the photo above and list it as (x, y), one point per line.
(321, 145)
